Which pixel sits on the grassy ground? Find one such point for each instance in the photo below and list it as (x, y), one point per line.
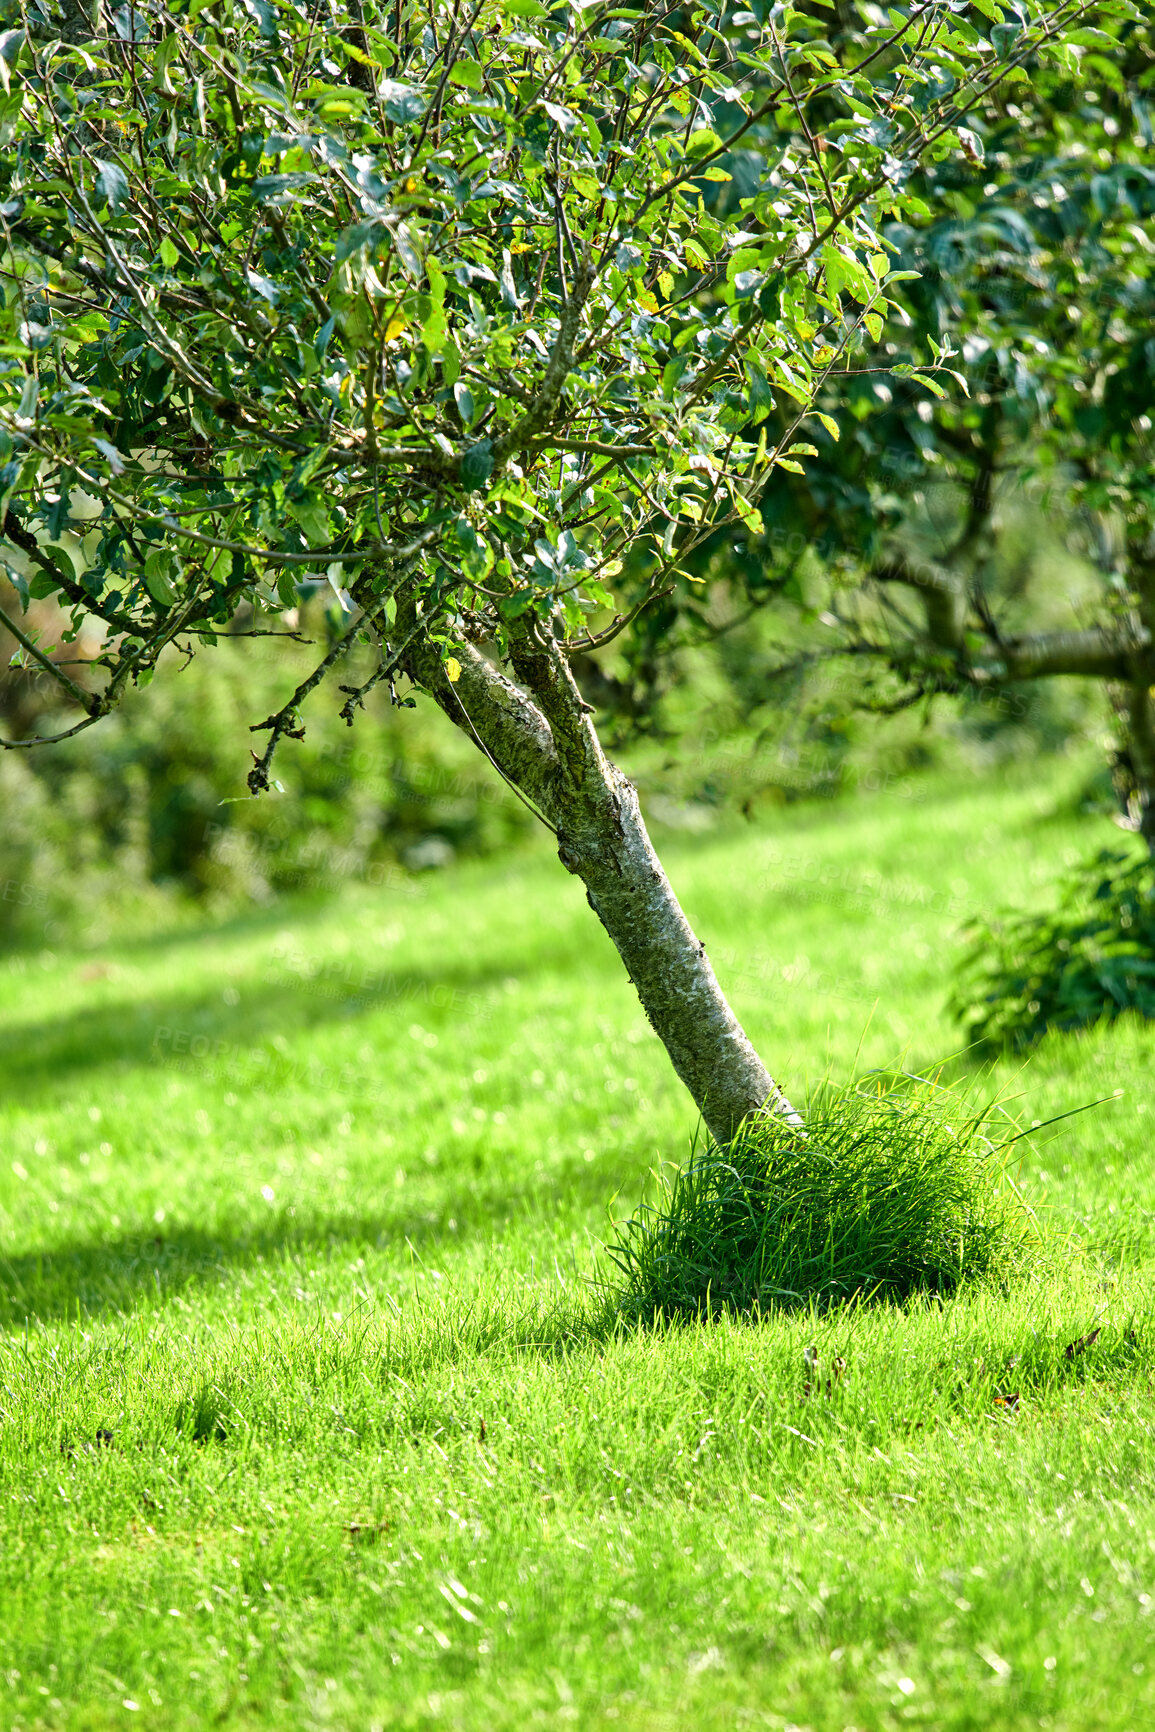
(307, 1418)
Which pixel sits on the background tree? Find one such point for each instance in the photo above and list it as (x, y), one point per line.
(432, 304)
(1033, 257)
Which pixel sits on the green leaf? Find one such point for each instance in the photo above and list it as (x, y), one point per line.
(761, 397)
(467, 73)
(59, 515)
(403, 102)
(311, 511)
(466, 408)
(157, 580)
(477, 465)
(111, 182)
(564, 118)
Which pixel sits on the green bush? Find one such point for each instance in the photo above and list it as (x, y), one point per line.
(1092, 958)
(890, 1191)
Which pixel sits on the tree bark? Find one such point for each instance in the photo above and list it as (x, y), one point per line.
(539, 734)
(1140, 715)
(1135, 764)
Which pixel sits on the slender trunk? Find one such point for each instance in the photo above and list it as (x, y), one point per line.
(1141, 761)
(1140, 719)
(540, 736)
(629, 892)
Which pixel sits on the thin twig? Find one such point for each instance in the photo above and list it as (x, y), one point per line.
(77, 693)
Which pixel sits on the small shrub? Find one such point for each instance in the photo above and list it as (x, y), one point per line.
(891, 1191)
(1092, 958)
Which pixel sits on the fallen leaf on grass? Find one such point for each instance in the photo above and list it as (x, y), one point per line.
(1008, 1401)
(1074, 1348)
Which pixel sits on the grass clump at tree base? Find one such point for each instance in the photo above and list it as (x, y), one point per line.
(890, 1191)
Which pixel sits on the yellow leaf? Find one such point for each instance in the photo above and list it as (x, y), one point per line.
(397, 324)
(452, 669)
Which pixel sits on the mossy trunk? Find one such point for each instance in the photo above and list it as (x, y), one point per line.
(540, 735)
(604, 842)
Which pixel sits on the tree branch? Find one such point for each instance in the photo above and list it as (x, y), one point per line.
(943, 595)
(510, 726)
(1097, 653)
(75, 692)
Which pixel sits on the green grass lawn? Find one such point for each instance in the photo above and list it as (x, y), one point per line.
(310, 1415)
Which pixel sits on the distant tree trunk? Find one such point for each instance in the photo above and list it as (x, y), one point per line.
(1140, 719)
(1134, 766)
(540, 736)
(1120, 654)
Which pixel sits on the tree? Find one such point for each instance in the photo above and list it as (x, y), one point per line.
(1037, 265)
(433, 303)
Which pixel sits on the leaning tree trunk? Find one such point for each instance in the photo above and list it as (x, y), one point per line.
(539, 734)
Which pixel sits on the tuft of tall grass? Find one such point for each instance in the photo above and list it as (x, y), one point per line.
(896, 1187)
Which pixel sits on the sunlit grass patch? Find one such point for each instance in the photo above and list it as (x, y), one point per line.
(419, 1392)
(896, 1187)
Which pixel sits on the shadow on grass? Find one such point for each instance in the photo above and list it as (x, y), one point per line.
(88, 1277)
(132, 1032)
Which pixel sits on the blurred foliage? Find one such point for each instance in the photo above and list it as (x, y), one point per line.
(750, 711)
(1092, 958)
(147, 815)
(150, 812)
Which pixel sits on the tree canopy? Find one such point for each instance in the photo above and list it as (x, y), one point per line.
(454, 303)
